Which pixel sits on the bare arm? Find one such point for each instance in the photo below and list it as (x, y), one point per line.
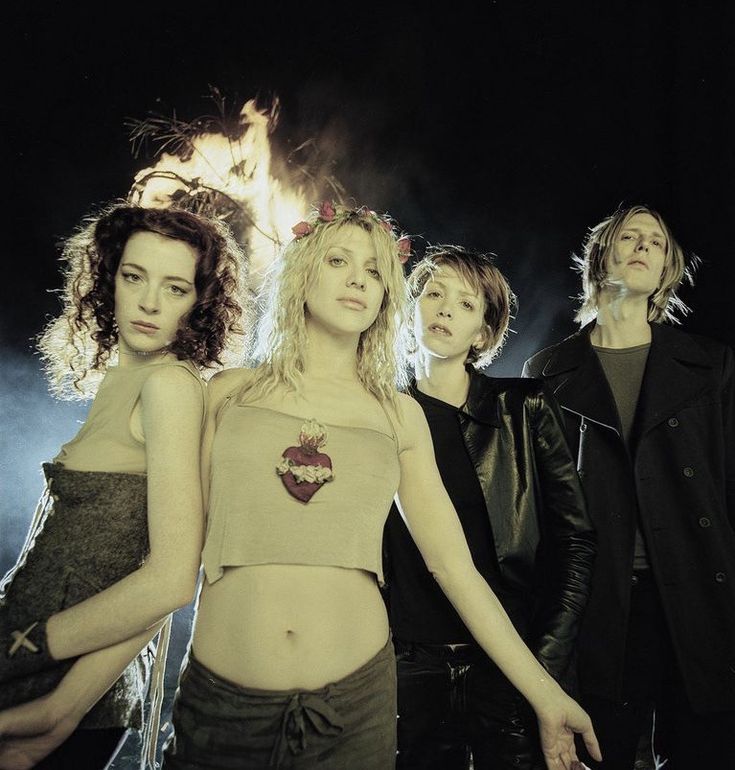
(172, 409)
(31, 731)
(434, 525)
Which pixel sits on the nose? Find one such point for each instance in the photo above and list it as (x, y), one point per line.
(642, 244)
(357, 279)
(149, 301)
(444, 311)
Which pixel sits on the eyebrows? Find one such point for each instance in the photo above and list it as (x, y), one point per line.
(350, 253)
(653, 233)
(165, 277)
(439, 282)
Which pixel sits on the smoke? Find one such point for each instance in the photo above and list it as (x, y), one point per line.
(35, 426)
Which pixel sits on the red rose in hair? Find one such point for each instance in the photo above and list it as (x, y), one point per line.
(326, 211)
(404, 249)
(301, 229)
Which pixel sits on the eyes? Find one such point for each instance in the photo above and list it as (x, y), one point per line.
(654, 241)
(130, 276)
(466, 304)
(338, 261)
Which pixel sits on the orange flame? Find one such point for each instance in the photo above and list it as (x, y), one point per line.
(239, 168)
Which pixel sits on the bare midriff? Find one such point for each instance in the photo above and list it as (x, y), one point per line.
(283, 626)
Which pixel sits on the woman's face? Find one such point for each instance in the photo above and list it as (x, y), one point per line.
(348, 291)
(154, 290)
(448, 316)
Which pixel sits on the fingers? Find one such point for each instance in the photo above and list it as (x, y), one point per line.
(562, 761)
(560, 753)
(590, 741)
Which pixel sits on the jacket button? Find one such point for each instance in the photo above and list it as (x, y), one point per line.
(688, 471)
(720, 577)
(704, 522)
(673, 422)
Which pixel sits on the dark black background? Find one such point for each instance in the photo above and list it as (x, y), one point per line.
(508, 126)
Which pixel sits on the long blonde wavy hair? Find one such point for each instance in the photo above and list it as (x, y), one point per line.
(282, 335)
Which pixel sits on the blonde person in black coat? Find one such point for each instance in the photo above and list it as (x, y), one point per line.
(650, 414)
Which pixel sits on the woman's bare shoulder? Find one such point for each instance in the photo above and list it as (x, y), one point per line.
(227, 382)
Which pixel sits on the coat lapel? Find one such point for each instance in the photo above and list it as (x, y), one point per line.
(582, 386)
(482, 399)
(676, 373)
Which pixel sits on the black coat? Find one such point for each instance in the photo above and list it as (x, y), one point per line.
(680, 477)
(544, 541)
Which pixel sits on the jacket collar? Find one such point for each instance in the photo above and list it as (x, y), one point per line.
(583, 387)
(482, 398)
(673, 376)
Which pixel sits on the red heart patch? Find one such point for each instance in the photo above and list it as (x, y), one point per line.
(303, 469)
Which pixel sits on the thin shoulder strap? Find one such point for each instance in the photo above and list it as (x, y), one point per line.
(393, 418)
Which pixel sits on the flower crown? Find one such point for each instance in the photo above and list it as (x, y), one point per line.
(328, 211)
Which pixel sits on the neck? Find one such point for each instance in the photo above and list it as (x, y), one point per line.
(622, 321)
(442, 378)
(330, 356)
(129, 358)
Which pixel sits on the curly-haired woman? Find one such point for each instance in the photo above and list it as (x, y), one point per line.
(291, 662)
(115, 547)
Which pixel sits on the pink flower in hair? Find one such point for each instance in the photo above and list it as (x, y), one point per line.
(404, 249)
(301, 229)
(385, 224)
(326, 211)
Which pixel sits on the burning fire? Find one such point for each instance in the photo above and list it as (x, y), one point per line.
(232, 170)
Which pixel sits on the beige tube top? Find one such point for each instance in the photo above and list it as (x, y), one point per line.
(264, 466)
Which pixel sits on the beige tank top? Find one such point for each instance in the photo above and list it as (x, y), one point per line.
(258, 511)
(105, 442)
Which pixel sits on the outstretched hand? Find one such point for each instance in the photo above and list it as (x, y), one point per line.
(557, 726)
(30, 732)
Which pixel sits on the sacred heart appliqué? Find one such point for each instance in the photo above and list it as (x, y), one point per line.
(304, 469)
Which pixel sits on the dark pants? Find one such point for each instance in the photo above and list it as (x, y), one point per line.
(654, 701)
(85, 750)
(347, 724)
(457, 703)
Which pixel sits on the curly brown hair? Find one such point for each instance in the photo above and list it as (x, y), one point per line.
(77, 345)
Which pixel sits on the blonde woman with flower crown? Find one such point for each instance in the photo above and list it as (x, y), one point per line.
(291, 662)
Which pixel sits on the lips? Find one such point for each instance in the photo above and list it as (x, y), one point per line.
(353, 303)
(144, 327)
(439, 329)
(638, 262)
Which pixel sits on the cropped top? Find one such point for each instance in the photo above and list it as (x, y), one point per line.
(105, 442)
(257, 512)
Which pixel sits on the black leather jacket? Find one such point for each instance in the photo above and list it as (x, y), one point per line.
(544, 540)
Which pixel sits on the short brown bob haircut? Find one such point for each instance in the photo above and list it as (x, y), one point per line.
(480, 272)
